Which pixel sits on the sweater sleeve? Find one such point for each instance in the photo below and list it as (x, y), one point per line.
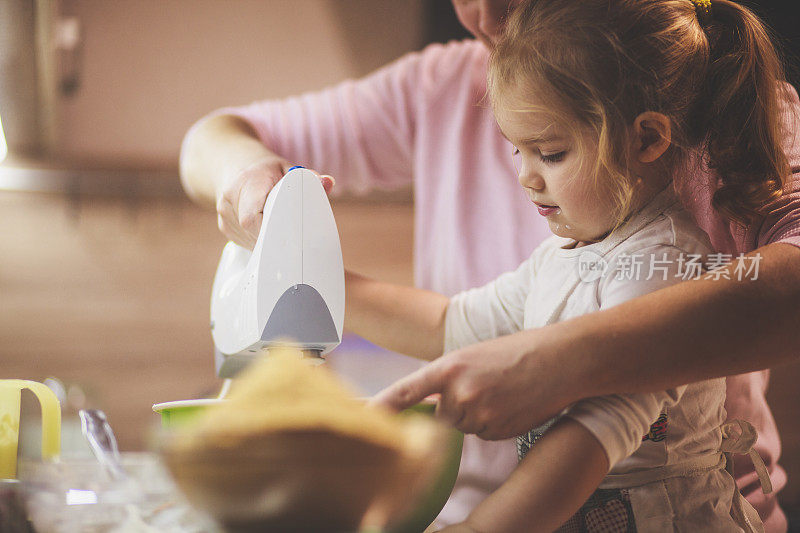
(497, 308)
(362, 131)
(782, 221)
(618, 421)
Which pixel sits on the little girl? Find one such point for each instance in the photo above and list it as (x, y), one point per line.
(606, 101)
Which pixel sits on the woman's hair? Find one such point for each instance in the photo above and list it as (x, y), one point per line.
(595, 65)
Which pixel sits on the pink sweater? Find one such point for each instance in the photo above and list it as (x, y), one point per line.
(424, 120)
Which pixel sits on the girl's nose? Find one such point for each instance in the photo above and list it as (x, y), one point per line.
(531, 180)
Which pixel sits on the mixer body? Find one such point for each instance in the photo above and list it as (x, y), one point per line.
(290, 288)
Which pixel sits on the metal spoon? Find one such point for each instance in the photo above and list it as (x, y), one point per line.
(226, 387)
(95, 427)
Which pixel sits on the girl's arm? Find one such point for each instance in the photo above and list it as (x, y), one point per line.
(401, 319)
(556, 477)
(413, 321)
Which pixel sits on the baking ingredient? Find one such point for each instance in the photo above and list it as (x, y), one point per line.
(281, 392)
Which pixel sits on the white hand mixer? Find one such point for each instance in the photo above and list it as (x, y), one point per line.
(290, 289)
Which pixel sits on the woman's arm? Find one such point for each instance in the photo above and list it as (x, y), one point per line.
(360, 131)
(681, 334)
(224, 165)
(402, 319)
(556, 477)
(214, 151)
(695, 330)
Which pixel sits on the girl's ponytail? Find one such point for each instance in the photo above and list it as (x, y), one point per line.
(741, 112)
(708, 65)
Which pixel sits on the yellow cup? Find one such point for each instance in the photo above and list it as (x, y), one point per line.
(10, 394)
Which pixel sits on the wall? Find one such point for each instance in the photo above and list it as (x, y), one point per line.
(150, 68)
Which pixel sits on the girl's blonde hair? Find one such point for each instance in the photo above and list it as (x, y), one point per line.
(597, 64)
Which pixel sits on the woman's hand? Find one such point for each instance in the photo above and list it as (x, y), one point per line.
(495, 389)
(225, 164)
(241, 199)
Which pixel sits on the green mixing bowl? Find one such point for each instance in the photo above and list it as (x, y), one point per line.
(174, 414)
(439, 491)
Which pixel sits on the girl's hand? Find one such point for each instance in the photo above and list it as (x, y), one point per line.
(240, 201)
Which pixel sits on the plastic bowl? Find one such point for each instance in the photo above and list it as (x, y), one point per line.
(174, 414)
(79, 494)
(242, 491)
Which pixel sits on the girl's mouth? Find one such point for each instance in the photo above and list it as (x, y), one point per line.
(547, 210)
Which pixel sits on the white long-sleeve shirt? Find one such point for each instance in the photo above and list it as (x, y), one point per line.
(657, 247)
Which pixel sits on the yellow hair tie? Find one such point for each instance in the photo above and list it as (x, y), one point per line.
(703, 10)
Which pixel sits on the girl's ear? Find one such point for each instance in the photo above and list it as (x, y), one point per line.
(652, 135)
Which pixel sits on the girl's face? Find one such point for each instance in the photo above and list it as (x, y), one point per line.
(557, 178)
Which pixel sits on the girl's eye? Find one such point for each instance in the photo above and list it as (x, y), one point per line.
(553, 158)
(515, 152)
